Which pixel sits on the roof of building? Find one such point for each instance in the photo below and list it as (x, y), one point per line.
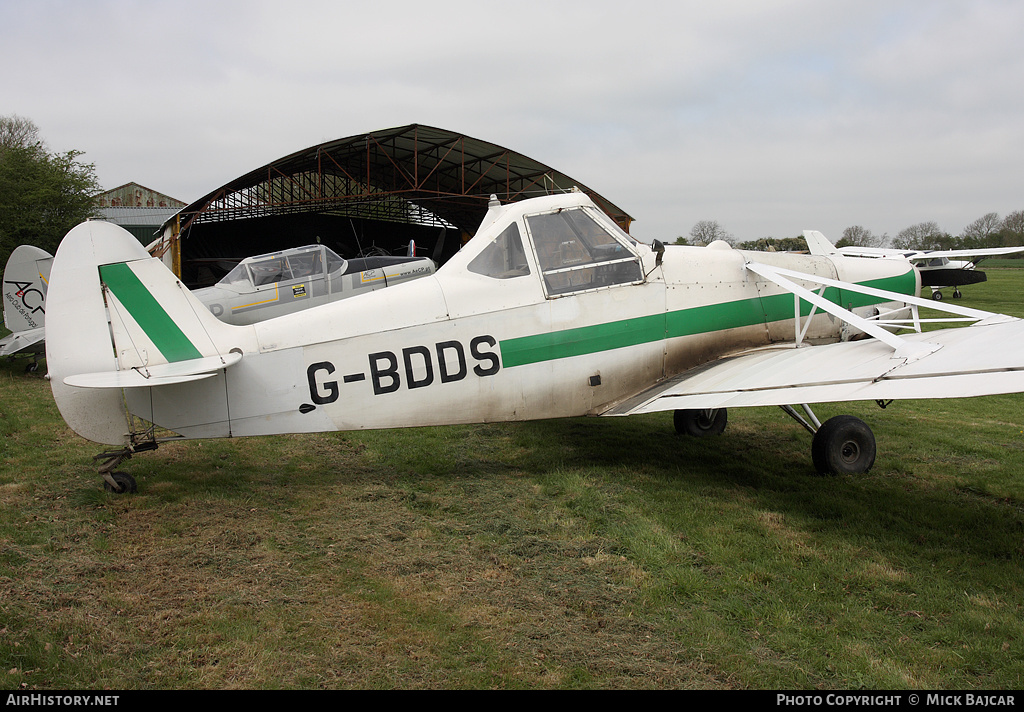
(409, 174)
(133, 195)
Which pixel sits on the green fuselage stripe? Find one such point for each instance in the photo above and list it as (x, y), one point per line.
(147, 312)
(683, 322)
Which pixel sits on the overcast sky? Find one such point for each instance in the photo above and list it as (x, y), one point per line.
(768, 116)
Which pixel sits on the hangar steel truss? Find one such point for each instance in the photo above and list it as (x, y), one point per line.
(411, 174)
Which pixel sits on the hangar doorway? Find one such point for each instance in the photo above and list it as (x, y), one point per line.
(384, 192)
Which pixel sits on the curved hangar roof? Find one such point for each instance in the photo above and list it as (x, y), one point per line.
(378, 190)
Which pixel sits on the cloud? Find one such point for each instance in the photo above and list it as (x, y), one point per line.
(768, 117)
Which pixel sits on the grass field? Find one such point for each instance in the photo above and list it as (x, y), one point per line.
(585, 553)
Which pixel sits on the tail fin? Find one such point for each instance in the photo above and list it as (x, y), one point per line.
(26, 278)
(157, 331)
(818, 244)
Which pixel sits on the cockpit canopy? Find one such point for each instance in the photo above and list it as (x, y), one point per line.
(307, 262)
(574, 248)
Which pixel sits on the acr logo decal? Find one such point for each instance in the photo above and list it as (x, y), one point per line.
(32, 298)
(27, 300)
(413, 367)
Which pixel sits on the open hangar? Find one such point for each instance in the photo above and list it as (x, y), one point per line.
(373, 193)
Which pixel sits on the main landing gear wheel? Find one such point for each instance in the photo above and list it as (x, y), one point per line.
(125, 483)
(700, 423)
(843, 445)
(937, 295)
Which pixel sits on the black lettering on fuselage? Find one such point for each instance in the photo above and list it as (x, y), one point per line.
(377, 374)
(315, 393)
(424, 356)
(474, 348)
(442, 361)
(414, 368)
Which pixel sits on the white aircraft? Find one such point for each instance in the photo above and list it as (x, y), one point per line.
(938, 268)
(549, 311)
(258, 288)
(26, 276)
(278, 283)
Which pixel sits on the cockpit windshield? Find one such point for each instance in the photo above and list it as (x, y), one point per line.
(577, 253)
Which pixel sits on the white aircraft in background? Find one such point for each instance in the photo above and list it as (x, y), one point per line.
(278, 283)
(26, 276)
(938, 268)
(550, 311)
(258, 288)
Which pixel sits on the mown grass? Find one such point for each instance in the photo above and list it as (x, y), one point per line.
(587, 553)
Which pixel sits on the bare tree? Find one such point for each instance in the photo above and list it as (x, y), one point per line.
(707, 231)
(1013, 226)
(17, 132)
(860, 236)
(983, 231)
(922, 236)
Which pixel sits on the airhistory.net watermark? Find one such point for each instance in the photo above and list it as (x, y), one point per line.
(54, 700)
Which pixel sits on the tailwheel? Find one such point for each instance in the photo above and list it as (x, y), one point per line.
(843, 445)
(700, 423)
(119, 483)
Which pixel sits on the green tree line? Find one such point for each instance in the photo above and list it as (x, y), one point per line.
(988, 231)
(43, 194)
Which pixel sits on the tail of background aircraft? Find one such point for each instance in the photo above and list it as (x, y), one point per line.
(118, 318)
(26, 278)
(818, 244)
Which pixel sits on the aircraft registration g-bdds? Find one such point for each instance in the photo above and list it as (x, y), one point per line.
(550, 311)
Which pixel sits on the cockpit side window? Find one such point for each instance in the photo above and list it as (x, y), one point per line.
(334, 262)
(576, 253)
(504, 258)
(237, 276)
(306, 263)
(269, 271)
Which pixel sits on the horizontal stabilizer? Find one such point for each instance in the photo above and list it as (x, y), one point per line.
(30, 341)
(161, 375)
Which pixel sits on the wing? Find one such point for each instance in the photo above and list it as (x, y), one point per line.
(818, 244)
(982, 359)
(971, 256)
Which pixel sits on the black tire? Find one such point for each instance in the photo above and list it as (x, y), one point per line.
(700, 423)
(937, 295)
(843, 445)
(125, 481)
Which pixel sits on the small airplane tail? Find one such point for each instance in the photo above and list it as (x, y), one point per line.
(818, 244)
(26, 278)
(118, 318)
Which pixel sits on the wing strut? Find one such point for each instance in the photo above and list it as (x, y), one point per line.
(902, 348)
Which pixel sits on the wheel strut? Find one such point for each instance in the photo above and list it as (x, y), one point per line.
(120, 482)
(812, 426)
